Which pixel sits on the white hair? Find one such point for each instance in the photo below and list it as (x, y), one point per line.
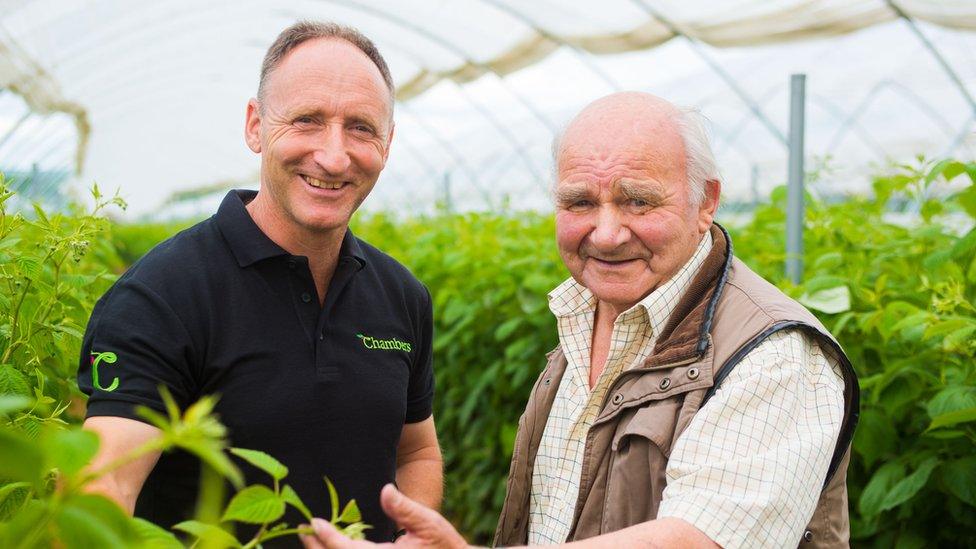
(700, 165)
(699, 159)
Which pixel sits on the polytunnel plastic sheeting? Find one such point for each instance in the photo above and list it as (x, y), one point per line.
(482, 85)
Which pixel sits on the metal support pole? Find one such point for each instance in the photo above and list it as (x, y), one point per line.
(794, 196)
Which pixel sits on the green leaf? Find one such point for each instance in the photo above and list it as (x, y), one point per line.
(830, 301)
(13, 381)
(953, 418)
(13, 403)
(967, 199)
(30, 266)
(919, 318)
(931, 208)
(965, 245)
(823, 282)
(874, 494)
(11, 497)
(20, 459)
(94, 521)
(948, 168)
(255, 505)
(951, 399)
(828, 261)
(355, 531)
(216, 537)
(68, 450)
(947, 326)
(41, 216)
(910, 485)
(960, 478)
(350, 513)
(290, 497)
(506, 328)
(23, 525)
(875, 436)
(333, 499)
(262, 461)
(154, 537)
(959, 340)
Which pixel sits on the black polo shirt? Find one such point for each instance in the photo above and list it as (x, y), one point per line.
(221, 309)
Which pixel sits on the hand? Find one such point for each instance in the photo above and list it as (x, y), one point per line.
(425, 527)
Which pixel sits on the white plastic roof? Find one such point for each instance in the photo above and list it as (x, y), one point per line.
(149, 97)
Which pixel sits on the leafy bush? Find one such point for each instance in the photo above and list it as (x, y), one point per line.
(52, 269)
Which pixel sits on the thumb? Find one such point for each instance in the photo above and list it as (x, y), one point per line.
(404, 511)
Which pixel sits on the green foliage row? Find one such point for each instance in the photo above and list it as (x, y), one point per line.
(52, 269)
(899, 296)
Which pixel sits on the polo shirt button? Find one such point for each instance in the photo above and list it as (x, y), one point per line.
(665, 383)
(306, 297)
(321, 337)
(291, 264)
(618, 398)
(808, 536)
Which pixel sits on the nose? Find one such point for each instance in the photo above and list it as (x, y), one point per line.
(331, 154)
(609, 230)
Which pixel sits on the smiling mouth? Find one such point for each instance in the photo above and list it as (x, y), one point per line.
(319, 184)
(612, 261)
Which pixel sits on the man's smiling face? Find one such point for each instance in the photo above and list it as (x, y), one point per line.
(323, 130)
(625, 219)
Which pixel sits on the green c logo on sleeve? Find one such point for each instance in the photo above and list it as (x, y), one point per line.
(98, 358)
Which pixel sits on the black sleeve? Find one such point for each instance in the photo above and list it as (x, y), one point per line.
(420, 393)
(135, 343)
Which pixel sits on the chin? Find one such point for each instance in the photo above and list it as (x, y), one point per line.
(325, 224)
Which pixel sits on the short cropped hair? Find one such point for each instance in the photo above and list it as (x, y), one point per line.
(303, 31)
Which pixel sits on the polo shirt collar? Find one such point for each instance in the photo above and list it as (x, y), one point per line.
(350, 248)
(248, 242)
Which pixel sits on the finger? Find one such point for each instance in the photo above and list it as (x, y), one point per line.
(327, 536)
(309, 541)
(423, 525)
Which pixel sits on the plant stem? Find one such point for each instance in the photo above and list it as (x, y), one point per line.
(287, 532)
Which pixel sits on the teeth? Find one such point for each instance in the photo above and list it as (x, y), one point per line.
(318, 183)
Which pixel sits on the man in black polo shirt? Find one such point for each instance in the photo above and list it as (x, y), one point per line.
(318, 344)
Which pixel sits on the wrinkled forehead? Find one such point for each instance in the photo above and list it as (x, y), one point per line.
(607, 149)
(607, 169)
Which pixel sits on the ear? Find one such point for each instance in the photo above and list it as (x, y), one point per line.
(389, 142)
(709, 205)
(252, 125)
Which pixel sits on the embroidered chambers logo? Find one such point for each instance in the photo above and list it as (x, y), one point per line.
(394, 344)
(98, 358)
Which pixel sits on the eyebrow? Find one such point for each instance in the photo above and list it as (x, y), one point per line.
(641, 190)
(568, 194)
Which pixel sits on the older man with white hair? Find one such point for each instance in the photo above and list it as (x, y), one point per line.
(690, 403)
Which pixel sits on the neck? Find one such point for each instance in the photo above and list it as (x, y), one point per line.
(603, 320)
(320, 247)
